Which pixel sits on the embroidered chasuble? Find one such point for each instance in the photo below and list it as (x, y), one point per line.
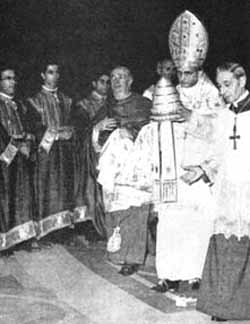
(16, 172)
(49, 115)
(226, 280)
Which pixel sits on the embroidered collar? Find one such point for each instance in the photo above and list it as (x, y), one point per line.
(5, 96)
(52, 91)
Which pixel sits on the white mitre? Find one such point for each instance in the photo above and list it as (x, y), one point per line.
(188, 41)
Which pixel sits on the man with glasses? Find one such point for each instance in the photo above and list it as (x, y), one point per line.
(16, 194)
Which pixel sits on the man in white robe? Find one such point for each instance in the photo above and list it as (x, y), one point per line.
(185, 226)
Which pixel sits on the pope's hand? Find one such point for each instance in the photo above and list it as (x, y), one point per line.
(193, 174)
(185, 113)
(106, 124)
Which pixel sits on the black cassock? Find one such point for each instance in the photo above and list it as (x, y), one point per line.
(16, 175)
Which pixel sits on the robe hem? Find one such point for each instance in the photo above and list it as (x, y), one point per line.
(17, 235)
(53, 222)
(80, 215)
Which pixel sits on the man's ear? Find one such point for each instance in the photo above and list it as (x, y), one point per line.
(243, 81)
(130, 81)
(94, 84)
(43, 76)
(159, 68)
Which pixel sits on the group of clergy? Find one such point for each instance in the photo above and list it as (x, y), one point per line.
(38, 162)
(177, 153)
(184, 161)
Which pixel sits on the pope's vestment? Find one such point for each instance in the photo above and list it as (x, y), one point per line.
(185, 226)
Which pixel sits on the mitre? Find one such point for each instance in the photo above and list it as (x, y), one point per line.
(188, 41)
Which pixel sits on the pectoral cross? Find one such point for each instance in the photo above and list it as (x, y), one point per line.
(234, 137)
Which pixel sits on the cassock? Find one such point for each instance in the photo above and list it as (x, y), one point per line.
(16, 167)
(225, 289)
(130, 217)
(49, 114)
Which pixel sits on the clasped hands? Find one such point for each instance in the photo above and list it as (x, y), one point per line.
(62, 133)
(22, 143)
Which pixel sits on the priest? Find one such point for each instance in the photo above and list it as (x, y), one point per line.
(225, 285)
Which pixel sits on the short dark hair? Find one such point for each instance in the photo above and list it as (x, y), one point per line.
(50, 61)
(7, 66)
(96, 76)
(164, 60)
(233, 67)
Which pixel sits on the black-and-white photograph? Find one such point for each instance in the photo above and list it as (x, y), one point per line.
(124, 161)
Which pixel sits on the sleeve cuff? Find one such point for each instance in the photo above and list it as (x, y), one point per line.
(9, 154)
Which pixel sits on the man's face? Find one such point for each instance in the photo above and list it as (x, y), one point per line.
(187, 77)
(102, 85)
(8, 82)
(120, 81)
(230, 87)
(168, 70)
(51, 76)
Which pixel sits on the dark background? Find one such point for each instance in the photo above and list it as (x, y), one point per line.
(91, 35)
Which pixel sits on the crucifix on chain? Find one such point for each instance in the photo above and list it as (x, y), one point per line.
(235, 137)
